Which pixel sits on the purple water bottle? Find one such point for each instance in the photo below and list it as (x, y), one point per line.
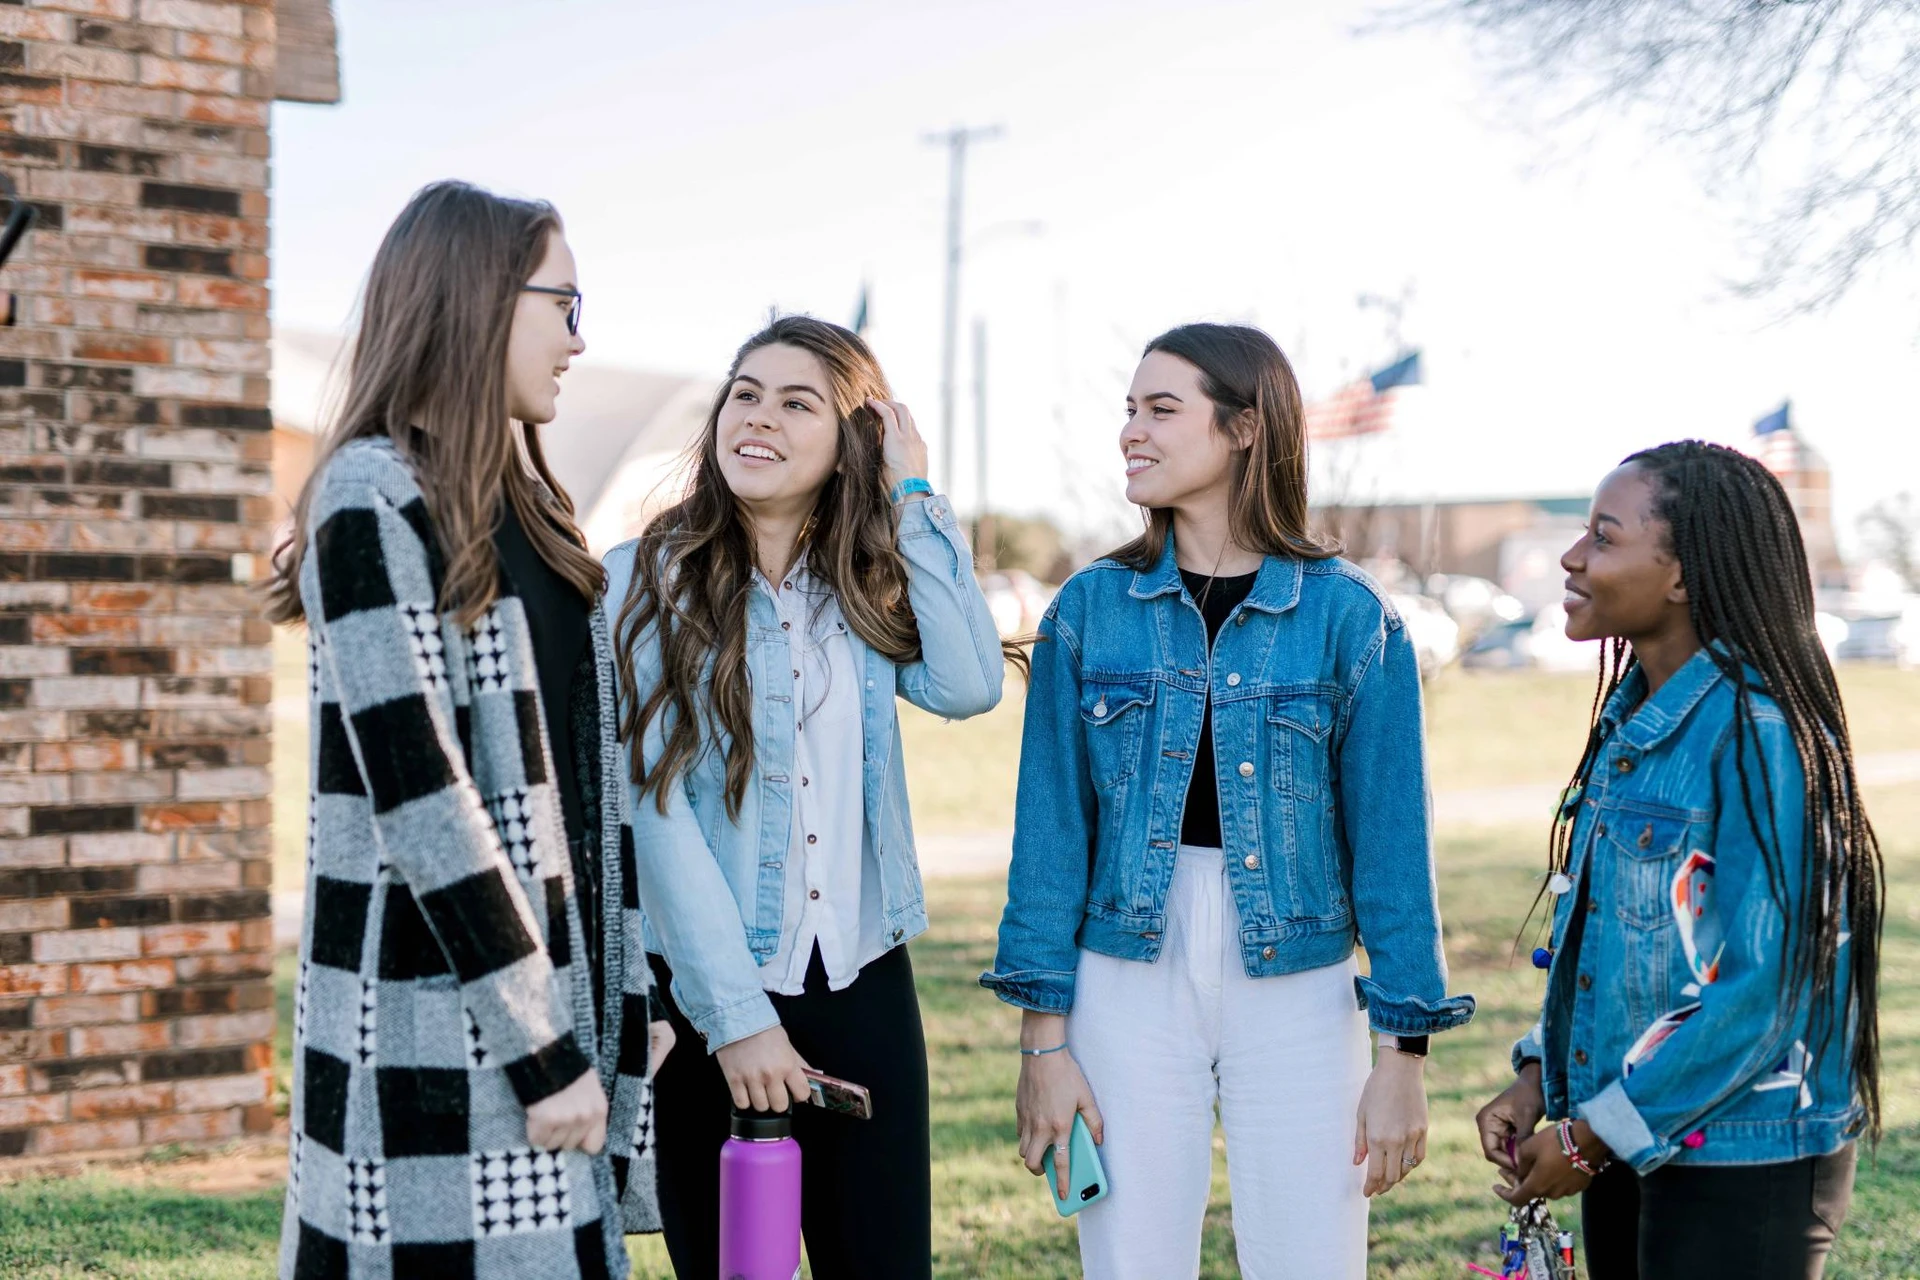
(760, 1198)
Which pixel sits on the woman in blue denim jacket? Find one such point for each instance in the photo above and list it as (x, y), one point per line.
(1708, 1039)
(1222, 789)
(807, 579)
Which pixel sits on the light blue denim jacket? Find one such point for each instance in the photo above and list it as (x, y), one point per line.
(1665, 1018)
(1320, 767)
(711, 888)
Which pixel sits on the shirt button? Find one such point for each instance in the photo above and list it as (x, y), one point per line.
(1233, 678)
(813, 893)
(1592, 906)
(1252, 861)
(786, 586)
(796, 675)
(786, 626)
(803, 782)
(1586, 982)
(1240, 620)
(1580, 1056)
(1246, 768)
(1266, 953)
(813, 839)
(1601, 829)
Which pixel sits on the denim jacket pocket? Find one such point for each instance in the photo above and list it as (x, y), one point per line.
(1114, 714)
(1298, 725)
(1649, 849)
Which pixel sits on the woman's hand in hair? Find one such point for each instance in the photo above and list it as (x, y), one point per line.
(902, 449)
(763, 1071)
(1507, 1121)
(1390, 1133)
(1052, 1091)
(574, 1119)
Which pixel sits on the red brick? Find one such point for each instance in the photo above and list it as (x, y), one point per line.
(214, 110)
(22, 1113)
(201, 291)
(222, 1028)
(191, 1126)
(220, 968)
(70, 757)
(220, 233)
(27, 1046)
(132, 1037)
(38, 90)
(122, 349)
(258, 1119)
(119, 10)
(124, 98)
(128, 1100)
(82, 62)
(68, 946)
(118, 848)
(221, 1091)
(64, 1139)
(33, 913)
(127, 975)
(24, 24)
(137, 224)
(189, 877)
(33, 979)
(13, 1079)
(36, 851)
(194, 77)
(69, 1011)
(218, 937)
(127, 599)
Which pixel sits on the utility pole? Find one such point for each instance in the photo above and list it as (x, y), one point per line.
(983, 531)
(955, 140)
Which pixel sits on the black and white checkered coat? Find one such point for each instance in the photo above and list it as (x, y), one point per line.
(438, 994)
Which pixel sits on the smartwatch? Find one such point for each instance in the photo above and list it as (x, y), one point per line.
(1412, 1046)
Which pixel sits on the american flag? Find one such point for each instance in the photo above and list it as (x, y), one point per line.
(1365, 406)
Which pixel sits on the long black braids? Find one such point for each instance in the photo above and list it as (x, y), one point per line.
(1750, 596)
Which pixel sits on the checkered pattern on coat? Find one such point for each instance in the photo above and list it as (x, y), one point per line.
(438, 994)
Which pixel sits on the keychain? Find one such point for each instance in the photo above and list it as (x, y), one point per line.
(1532, 1247)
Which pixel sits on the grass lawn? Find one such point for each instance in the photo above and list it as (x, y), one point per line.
(992, 1219)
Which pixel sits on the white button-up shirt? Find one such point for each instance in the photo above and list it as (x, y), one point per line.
(832, 896)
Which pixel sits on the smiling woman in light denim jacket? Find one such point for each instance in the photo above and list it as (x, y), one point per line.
(1222, 787)
(1708, 1041)
(807, 579)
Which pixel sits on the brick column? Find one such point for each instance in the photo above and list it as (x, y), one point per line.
(135, 939)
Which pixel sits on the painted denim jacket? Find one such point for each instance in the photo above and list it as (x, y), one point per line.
(712, 888)
(1663, 1025)
(1320, 768)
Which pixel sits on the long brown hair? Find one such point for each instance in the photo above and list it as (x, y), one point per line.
(693, 572)
(1246, 375)
(429, 372)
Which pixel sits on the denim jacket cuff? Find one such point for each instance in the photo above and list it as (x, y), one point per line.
(1612, 1115)
(1041, 990)
(926, 517)
(750, 1016)
(1410, 1015)
(1531, 1046)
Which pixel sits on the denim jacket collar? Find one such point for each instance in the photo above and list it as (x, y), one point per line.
(1276, 590)
(1664, 712)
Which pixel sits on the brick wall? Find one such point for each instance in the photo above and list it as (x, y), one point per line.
(135, 942)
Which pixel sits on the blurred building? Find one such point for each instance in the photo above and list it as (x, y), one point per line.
(1804, 474)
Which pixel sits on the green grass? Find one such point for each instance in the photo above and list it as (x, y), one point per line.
(991, 1219)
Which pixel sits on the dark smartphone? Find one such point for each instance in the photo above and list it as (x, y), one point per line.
(841, 1096)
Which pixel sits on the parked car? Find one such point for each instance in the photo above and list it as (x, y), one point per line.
(1477, 604)
(1893, 637)
(1502, 646)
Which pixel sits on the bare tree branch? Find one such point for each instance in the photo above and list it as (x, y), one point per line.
(1816, 102)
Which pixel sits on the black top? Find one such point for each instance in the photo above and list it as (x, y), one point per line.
(560, 619)
(1217, 598)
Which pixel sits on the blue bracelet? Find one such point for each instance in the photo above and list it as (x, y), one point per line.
(908, 487)
(1041, 1053)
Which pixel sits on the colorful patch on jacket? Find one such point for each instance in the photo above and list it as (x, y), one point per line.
(1791, 1073)
(1655, 1036)
(1691, 896)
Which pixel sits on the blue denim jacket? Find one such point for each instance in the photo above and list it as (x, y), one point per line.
(712, 888)
(1665, 1018)
(1320, 767)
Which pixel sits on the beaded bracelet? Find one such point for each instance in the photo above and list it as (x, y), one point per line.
(1041, 1053)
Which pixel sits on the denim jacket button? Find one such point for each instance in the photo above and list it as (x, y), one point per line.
(1267, 953)
(1625, 765)
(1233, 678)
(1586, 982)
(1246, 768)
(1580, 1056)
(1252, 862)
(1100, 709)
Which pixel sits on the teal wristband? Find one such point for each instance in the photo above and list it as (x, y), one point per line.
(1041, 1053)
(908, 487)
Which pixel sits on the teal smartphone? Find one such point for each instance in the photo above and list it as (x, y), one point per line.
(1086, 1179)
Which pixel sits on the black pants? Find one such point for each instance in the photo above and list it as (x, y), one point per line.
(1689, 1222)
(866, 1185)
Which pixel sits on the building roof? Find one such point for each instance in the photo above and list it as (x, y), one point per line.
(306, 53)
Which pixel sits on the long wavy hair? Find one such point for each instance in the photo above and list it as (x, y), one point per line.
(1750, 596)
(1248, 378)
(429, 372)
(693, 574)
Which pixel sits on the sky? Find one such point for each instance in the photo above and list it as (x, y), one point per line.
(1159, 163)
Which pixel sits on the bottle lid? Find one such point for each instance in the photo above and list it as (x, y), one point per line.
(762, 1126)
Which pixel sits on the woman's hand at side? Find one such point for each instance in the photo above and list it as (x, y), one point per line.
(1052, 1091)
(763, 1071)
(573, 1119)
(1390, 1131)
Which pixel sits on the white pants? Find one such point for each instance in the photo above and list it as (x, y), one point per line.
(1283, 1058)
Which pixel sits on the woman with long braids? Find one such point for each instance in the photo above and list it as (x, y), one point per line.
(1707, 1045)
(807, 578)
(1222, 789)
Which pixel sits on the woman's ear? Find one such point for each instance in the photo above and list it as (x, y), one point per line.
(1246, 424)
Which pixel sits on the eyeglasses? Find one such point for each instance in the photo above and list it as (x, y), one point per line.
(573, 312)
